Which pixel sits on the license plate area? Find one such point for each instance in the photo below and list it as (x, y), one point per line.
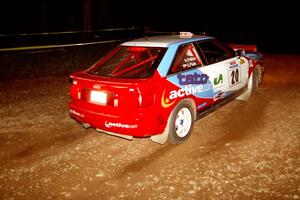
(98, 97)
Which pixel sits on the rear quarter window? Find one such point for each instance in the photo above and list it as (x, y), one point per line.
(186, 57)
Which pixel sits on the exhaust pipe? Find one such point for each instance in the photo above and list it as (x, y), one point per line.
(86, 125)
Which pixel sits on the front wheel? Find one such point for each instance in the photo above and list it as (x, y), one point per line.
(181, 122)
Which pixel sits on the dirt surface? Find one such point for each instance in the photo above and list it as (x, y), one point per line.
(244, 150)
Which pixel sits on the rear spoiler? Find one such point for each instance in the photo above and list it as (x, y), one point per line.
(243, 47)
(249, 51)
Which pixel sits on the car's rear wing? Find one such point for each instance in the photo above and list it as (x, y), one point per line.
(249, 51)
(245, 47)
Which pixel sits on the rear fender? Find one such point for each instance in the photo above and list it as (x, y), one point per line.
(162, 138)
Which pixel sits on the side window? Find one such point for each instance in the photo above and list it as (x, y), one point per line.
(186, 57)
(215, 52)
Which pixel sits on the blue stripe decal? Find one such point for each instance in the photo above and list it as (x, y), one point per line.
(165, 64)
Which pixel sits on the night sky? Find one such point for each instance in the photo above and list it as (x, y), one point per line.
(274, 24)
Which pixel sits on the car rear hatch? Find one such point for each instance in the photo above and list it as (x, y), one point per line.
(105, 95)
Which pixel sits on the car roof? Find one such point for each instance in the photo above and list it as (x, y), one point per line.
(164, 40)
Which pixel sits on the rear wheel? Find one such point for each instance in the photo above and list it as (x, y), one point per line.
(181, 122)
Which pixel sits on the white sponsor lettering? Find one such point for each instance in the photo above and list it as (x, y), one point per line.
(119, 125)
(76, 113)
(187, 90)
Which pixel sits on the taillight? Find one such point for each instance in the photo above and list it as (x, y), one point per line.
(75, 92)
(74, 82)
(116, 100)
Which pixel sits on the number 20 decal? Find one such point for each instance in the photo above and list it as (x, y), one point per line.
(235, 77)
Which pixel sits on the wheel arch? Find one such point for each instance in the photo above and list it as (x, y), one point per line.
(163, 137)
(191, 102)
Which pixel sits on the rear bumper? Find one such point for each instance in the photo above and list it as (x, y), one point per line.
(137, 123)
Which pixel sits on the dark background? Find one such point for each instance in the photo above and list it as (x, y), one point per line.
(273, 26)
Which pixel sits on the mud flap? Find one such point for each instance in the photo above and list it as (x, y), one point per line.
(162, 138)
(246, 95)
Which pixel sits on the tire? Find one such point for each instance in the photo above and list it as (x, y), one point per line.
(181, 122)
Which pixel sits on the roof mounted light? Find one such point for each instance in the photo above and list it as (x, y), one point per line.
(186, 35)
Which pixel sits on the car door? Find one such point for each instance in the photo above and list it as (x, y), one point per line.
(223, 67)
(186, 75)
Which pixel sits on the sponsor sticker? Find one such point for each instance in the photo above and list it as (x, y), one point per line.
(119, 125)
(220, 94)
(188, 90)
(233, 64)
(242, 61)
(76, 113)
(194, 78)
(193, 82)
(165, 102)
(218, 80)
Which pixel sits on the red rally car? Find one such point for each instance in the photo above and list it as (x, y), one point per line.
(158, 86)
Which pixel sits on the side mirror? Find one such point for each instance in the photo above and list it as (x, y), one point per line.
(240, 52)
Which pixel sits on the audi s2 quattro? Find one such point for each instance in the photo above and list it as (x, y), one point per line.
(158, 86)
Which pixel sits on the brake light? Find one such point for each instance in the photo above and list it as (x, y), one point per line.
(137, 49)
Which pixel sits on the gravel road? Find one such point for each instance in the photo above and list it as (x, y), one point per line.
(244, 150)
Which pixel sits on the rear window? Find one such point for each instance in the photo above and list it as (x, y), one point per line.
(129, 62)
